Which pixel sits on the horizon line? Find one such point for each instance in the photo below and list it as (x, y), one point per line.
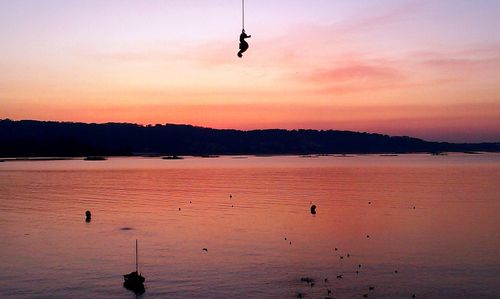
(240, 130)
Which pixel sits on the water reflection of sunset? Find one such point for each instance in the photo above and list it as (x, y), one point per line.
(451, 230)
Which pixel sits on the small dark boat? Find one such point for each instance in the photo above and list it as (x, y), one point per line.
(134, 281)
(174, 157)
(95, 158)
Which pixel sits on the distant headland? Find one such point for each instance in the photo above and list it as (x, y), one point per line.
(30, 138)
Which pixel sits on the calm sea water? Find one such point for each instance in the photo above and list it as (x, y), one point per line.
(448, 246)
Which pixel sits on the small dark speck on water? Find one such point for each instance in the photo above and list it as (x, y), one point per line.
(205, 249)
(88, 216)
(179, 209)
(126, 228)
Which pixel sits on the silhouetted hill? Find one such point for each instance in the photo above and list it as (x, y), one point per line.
(41, 138)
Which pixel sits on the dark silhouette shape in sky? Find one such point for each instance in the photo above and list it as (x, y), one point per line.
(243, 43)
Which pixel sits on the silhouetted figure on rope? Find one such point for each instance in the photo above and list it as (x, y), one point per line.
(243, 44)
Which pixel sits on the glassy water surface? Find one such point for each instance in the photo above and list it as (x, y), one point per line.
(433, 219)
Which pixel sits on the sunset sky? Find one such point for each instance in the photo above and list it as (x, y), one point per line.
(429, 69)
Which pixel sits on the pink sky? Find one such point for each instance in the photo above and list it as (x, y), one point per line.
(428, 69)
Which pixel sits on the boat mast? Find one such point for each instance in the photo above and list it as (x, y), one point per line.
(136, 258)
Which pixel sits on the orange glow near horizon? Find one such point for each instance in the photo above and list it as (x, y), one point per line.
(350, 70)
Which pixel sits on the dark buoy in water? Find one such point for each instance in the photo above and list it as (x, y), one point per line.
(313, 209)
(88, 216)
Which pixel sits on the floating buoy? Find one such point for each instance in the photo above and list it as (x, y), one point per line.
(313, 209)
(88, 216)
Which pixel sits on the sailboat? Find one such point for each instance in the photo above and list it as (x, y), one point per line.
(134, 280)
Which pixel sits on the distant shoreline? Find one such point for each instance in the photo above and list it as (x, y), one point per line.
(163, 157)
(29, 138)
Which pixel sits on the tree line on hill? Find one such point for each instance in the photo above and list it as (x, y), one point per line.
(29, 138)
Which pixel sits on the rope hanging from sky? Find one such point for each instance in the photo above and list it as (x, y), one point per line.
(243, 44)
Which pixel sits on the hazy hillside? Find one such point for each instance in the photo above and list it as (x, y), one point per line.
(37, 138)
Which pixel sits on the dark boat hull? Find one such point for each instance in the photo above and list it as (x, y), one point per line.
(134, 282)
